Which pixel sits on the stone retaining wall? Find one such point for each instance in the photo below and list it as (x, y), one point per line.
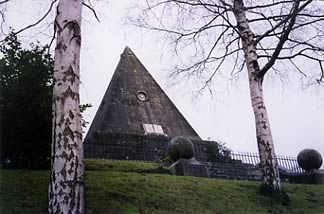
(237, 171)
(137, 147)
(153, 148)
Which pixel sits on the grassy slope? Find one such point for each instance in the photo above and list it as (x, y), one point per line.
(120, 187)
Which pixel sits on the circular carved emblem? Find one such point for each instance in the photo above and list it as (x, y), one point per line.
(142, 96)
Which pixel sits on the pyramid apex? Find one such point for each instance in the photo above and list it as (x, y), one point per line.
(128, 51)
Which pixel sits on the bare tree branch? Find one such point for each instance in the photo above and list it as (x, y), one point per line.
(284, 37)
(200, 19)
(37, 22)
(283, 21)
(4, 1)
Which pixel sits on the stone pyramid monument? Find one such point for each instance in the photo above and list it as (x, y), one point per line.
(135, 104)
(135, 119)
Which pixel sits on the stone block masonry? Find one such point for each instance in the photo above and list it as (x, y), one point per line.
(125, 146)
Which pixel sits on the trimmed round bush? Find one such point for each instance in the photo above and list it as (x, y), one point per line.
(180, 147)
(309, 159)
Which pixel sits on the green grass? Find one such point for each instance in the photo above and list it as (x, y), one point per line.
(23, 191)
(122, 187)
(118, 165)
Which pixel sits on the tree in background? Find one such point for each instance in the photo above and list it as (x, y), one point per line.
(259, 37)
(26, 85)
(218, 152)
(25, 105)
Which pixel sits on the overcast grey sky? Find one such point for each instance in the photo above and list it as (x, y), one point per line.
(296, 114)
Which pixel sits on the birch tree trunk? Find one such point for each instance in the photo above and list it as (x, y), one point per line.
(66, 188)
(268, 160)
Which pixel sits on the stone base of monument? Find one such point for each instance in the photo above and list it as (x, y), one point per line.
(189, 167)
(314, 176)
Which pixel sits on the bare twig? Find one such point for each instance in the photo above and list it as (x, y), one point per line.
(52, 40)
(92, 9)
(322, 73)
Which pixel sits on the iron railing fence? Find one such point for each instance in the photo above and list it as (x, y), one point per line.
(287, 162)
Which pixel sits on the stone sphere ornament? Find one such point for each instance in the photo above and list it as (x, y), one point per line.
(180, 147)
(309, 159)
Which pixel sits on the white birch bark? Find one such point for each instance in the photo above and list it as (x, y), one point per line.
(66, 188)
(268, 160)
